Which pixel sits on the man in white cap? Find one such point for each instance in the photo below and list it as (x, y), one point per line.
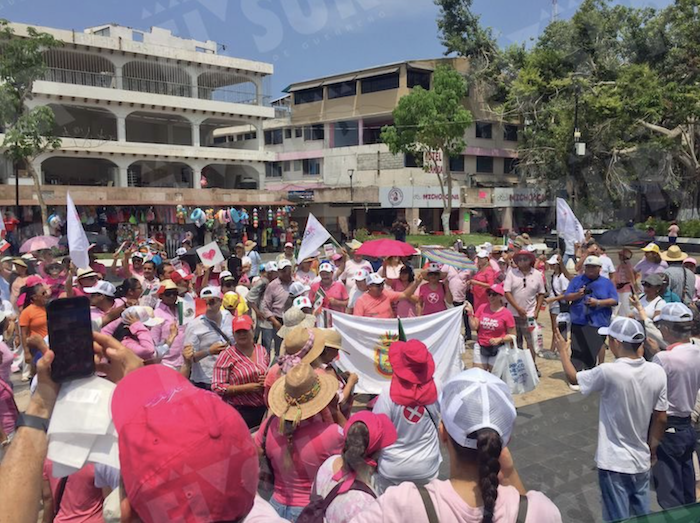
(332, 294)
(208, 336)
(377, 301)
(633, 391)
(359, 279)
(674, 476)
(254, 299)
(592, 299)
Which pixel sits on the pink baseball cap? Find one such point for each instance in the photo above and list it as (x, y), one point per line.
(185, 455)
(691, 261)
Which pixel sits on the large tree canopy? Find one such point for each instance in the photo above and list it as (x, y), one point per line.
(636, 75)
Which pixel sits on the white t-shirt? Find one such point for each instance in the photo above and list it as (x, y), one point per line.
(351, 268)
(682, 366)
(650, 307)
(354, 294)
(416, 453)
(569, 246)
(557, 285)
(631, 390)
(608, 267)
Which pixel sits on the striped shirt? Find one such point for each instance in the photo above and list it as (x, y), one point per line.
(235, 368)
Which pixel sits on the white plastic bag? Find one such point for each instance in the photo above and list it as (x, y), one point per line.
(516, 368)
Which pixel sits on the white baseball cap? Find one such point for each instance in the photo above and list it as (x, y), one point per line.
(326, 267)
(554, 260)
(433, 267)
(283, 264)
(101, 287)
(374, 279)
(181, 251)
(271, 267)
(302, 302)
(475, 400)
(288, 245)
(624, 329)
(483, 253)
(297, 289)
(210, 292)
(225, 274)
(593, 260)
(360, 275)
(675, 313)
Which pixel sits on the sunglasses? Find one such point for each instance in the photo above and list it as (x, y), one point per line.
(647, 284)
(171, 293)
(491, 294)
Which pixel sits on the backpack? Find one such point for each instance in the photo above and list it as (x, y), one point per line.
(315, 511)
(432, 514)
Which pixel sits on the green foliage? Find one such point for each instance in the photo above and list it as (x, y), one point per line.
(689, 228)
(362, 235)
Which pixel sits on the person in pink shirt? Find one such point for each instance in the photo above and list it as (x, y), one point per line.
(405, 307)
(495, 326)
(478, 416)
(303, 442)
(133, 334)
(336, 295)
(435, 294)
(8, 415)
(80, 500)
(169, 310)
(164, 456)
(691, 264)
(377, 301)
(483, 279)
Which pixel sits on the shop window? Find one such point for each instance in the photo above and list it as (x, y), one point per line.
(484, 164)
(457, 164)
(273, 170)
(484, 130)
(384, 82)
(510, 165)
(308, 96)
(418, 78)
(342, 89)
(287, 134)
(314, 132)
(298, 132)
(346, 134)
(312, 167)
(510, 133)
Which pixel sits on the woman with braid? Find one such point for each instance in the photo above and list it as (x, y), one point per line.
(477, 421)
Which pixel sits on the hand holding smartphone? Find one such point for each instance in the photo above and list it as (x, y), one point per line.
(70, 338)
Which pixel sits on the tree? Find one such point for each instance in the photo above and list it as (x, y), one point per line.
(28, 133)
(431, 121)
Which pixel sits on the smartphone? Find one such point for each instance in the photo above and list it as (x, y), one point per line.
(70, 338)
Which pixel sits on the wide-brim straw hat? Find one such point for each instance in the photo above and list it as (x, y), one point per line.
(299, 338)
(301, 393)
(334, 340)
(295, 317)
(673, 254)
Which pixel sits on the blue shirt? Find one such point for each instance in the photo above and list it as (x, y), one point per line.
(600, 289)
(670, 297)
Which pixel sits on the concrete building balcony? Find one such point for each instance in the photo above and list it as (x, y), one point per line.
(56, 195)
(100, 88)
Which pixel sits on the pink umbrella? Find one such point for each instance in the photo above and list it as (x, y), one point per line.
(39, 243)
(385, 248)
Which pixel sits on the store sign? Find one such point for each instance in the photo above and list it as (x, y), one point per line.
(521, 197)
(415, 197)
(432, 160)
(300, 196)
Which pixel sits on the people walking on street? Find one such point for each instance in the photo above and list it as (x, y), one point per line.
(652, 262)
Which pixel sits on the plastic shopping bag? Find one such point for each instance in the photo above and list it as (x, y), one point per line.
(517, 369)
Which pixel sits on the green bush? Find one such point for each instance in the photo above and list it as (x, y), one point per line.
(362, 235)
(689, 228)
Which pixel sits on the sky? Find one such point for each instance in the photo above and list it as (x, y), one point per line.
(303, 39)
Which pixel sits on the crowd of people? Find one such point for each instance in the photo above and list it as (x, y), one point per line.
(230, 403)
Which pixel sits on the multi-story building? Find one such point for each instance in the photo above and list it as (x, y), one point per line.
(136, 112)
(328, 151)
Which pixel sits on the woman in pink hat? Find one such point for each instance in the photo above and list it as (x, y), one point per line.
(495, 326)
(411, 404)
(625, 282)
(344, 481)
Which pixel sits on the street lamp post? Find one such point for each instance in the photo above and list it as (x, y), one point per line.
(579, 146)
(351, 173)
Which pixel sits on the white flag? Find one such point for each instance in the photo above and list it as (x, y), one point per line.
(367, 342)
(568, 226)
(315, 235)
(78, 243)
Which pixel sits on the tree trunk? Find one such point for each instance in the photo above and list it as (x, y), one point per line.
(40, 197)
(447, 198)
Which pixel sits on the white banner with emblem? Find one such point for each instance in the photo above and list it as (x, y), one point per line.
(367, 341)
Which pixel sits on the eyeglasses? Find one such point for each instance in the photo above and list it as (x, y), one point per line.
(170, 293)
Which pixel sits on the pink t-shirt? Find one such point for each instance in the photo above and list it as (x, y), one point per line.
(403, 503)
(406, 308)
(82, 500)
(488, 275)
(433, 299)
(138, 339)
(336, 291)
(8, 408)
(524, 289)
(371, 307)
(493, 324)
(344, 507)
(314, 441)
(6, 365)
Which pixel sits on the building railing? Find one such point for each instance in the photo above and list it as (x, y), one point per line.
(109, 80)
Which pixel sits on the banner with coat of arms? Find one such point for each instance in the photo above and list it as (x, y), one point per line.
(367, 342)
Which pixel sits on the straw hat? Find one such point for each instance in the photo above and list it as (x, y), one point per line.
(303, 339)
(301, 393)
(673, 254)
(295, 317)
(333, 339)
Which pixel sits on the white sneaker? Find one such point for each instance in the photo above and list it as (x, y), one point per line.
(575, 388)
